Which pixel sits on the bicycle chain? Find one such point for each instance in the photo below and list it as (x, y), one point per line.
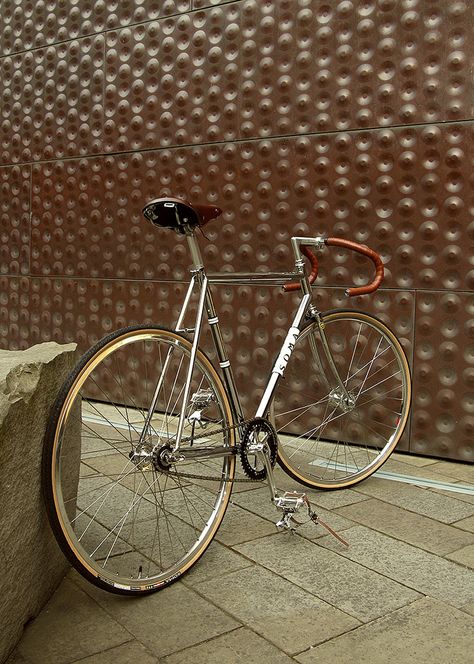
(214, 478)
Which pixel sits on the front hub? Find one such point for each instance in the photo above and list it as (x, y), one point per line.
(345, 401)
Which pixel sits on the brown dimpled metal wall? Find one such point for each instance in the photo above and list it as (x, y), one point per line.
(351, 118)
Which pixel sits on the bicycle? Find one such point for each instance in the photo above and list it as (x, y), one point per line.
(140, 451)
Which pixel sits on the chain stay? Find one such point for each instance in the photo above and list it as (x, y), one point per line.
(213, 478)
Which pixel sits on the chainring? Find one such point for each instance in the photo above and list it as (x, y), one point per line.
(258, 430)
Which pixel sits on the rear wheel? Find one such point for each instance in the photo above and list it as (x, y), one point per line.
(328, 438)
(127, 519)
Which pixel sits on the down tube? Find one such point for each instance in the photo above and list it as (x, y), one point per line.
(283, 357)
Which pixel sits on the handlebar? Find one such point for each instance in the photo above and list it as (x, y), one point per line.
(346, 244)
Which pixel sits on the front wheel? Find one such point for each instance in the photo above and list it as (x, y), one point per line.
(331, 438)
(129, 520)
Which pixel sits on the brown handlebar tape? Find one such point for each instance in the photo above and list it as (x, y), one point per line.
(365, 251)
(345, 244)
(295, 285)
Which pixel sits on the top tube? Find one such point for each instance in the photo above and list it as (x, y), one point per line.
(266, 278)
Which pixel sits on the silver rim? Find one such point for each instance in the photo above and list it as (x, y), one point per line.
(127, 520)
(324, 441)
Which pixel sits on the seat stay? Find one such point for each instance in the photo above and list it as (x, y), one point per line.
(159, 385)
(202, 280)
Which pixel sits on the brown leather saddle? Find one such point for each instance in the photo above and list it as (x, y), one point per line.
(179, 214)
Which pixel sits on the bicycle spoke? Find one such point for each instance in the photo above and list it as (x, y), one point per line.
(331, 438)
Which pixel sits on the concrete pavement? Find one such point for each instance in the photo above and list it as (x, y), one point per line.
(402, 592)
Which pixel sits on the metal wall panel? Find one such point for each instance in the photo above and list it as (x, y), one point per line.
(350, 118)
(51, 101)
(28, 24)
(15, 219)
(319, 66)
(443, 410)
(406, 192)
(173, 82)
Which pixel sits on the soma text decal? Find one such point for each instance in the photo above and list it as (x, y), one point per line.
(286, 350)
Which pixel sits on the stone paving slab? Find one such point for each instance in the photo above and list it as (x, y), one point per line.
(288, 616)
(463, 472)
(258, 502)
(239, 525)
(466, 524)
(354, 589)
(425, 632)
(70, 627)
(326, 499)
(411, 460)
(463, 497)
(221, 612)
(237, 488)
(427, 573)
(218, 560)
(126, 654)
(166, 621)
(410, 527)
(112, 465)
(333, 499)
(416, 499)
(402, 467)
(237, 647)
(464, 556)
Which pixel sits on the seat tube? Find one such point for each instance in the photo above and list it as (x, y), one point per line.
(224, 361)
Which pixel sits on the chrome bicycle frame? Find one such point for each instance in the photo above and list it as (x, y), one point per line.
(200, 281)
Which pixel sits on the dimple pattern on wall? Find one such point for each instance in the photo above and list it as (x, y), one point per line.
(34, 310)
(27, 24)
(406, 192)
(51, 101)
(15, 219)
(444, 357)
(350, 118)
(173, 82)
(337, 65)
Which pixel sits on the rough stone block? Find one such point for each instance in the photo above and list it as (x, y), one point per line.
(32, 564)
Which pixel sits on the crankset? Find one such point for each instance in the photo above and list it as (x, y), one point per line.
(259, 437)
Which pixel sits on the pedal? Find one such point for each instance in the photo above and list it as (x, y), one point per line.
(290, 502)
(202, 398)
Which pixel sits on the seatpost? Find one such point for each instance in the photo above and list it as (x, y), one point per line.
(195, 251)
